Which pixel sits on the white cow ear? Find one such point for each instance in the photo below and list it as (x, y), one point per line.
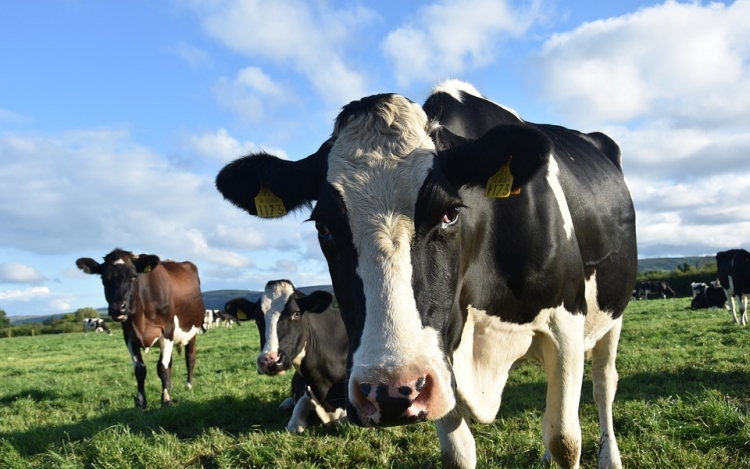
(88, 265)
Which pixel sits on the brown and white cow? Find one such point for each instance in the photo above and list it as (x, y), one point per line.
(155, 301)
(462, 240)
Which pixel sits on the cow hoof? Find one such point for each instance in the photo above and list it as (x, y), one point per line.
(140, 402)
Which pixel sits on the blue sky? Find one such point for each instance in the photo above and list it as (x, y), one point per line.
(116, 116)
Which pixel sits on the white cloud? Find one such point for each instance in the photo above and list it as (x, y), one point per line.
(245, 93)
(310, 37)
(221, 146)
(684, 62)
(15, 272)
(452, 36)
(192, 55)
(28, 294)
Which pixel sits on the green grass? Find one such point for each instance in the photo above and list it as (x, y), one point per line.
(66, 401)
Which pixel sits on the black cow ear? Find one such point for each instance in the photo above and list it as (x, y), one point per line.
(506, 154)
(88, 265)
(240, 309)
(269, 187)
(316, 302)
(145, 263)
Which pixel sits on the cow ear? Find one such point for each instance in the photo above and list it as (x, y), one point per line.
(515, 150)
(269, 187)
(145, 263)
(240, 309)
(316, 302)
(88, 265)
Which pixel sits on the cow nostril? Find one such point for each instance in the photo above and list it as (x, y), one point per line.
(420, 384)
(122, 307)
(365, 388)
(405, 390)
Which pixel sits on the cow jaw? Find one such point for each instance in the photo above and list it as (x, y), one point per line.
(399, 371)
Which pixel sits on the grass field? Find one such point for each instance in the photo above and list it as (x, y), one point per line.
(66, 401)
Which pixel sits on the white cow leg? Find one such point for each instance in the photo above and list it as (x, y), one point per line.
(164, 369)
(604, 377)
(298, 422)
(457, 446)
(563, 364)
(743, 308)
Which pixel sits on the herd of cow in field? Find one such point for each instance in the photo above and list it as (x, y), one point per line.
(460, 239)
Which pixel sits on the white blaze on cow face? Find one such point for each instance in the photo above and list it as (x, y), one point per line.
(272, 303)
(378, 165)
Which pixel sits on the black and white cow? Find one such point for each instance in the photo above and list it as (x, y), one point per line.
(734, 274)
(305, 332)
(658, 289)
(709, 297)
(96, 325)
(462, 240)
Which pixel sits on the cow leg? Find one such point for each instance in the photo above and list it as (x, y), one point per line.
(742, 301)
(164, 369)
(563, 360)
(604, 377)
(190, 361)
(303, 408)
(139, 369)
(457, 446)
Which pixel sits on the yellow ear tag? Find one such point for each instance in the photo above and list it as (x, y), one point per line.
(241, 315)
(147, 269)
(499, 185)
(268, 205)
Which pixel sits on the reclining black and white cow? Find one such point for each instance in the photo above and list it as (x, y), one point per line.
(734, 274)
(305, 332)
(709, 297)
(96, 325)
(462, 240)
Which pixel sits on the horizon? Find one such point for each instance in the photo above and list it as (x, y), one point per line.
(115, 121)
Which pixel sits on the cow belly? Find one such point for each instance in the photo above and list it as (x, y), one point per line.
(180, 336)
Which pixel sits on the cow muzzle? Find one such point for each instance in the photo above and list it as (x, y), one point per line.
(119, 311)
(272, 363)
(401, 400)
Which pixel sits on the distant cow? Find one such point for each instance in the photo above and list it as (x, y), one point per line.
(215, 318)
(462, 240)
(658, 288)
(710, 297)
(306, 332)
(96, 325)
(155, 301)
(734, 274)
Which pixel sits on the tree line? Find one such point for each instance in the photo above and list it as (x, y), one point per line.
(63, 323)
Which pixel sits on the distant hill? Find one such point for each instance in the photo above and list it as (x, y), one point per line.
(214, 299)
(671, 263)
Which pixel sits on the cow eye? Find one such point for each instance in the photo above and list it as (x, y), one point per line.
(323, 231)
(450, 217)
(294, 316)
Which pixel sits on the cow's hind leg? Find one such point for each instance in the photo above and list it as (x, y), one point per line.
(190, 361)
(604, 377)
(457, 446)
(742, 300)
(164, 368)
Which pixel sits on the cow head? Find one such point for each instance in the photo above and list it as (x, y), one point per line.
(119, 273)
(392, 213)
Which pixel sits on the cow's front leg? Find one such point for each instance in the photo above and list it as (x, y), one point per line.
(457, 446)
(298, 423)
(562, 360)
(190, 361)
(139, 369)
(742, 301)
(164, 368)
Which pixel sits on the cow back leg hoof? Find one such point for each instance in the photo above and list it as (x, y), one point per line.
(140, 401)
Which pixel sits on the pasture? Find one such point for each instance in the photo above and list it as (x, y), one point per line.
(66, 401)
